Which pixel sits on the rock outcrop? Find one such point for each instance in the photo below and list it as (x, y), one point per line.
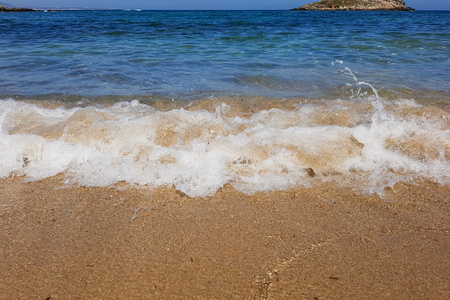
(14, 9)
(364, 5)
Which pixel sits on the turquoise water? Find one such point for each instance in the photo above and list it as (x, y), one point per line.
(192, 54)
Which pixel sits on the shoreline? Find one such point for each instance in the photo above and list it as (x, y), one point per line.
(440, 98)
(263, 144)
(15, 9)
(239, 103)
(304, 243)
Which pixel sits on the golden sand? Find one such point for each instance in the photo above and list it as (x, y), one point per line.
(324, 242)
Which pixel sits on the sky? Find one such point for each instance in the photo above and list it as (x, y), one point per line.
(201, 4)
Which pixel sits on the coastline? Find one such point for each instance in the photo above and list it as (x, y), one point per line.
(304, 243)
(327, 5)
(255, 159)
(15, 9)
(351, 9)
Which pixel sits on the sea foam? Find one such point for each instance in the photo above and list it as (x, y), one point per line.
(365, 143)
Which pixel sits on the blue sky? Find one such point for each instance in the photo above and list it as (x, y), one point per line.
(201, 4)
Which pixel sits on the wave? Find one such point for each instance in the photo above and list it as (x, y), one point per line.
(269, 144)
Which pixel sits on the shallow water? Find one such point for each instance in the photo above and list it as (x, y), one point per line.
(261, 146)
(195, 54)
(197, 100)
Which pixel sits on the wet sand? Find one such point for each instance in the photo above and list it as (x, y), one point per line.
(324, 242)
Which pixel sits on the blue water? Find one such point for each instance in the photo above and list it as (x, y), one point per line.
(104, 81)
(198, 53)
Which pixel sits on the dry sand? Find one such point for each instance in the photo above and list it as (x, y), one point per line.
(307, 243)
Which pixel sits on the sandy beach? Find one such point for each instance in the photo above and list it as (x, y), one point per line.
(324, 242)
(243, 154)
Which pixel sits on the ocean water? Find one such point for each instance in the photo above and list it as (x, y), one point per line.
(192, 54)
(261, 100)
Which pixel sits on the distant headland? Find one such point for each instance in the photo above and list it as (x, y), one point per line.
(357, 5)
(14, 9)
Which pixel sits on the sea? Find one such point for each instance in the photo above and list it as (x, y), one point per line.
(196, 100)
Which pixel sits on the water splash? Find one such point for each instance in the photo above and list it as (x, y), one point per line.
(366, 143)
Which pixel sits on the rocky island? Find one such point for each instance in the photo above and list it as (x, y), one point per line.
(14, 9)
(358, 5)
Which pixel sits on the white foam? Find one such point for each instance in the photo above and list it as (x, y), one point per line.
(199, 151)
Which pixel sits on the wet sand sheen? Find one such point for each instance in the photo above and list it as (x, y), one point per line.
(306, 243)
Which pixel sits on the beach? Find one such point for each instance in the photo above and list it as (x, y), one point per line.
(305, 243)
(225, 199)
(224, 155)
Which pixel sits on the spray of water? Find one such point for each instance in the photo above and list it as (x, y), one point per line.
(352, 143)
